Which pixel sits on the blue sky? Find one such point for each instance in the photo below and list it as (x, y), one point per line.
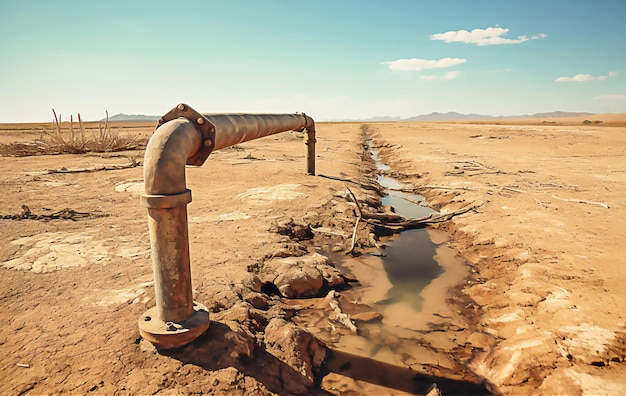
(332, 59)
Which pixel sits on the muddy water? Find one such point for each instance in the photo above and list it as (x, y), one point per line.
(409, 258)
(405, 327)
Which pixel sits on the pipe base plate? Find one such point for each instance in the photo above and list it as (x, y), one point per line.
(170, 335)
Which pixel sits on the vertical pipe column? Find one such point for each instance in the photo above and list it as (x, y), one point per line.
(310, 149)
(185, 137)
(169, 244)
(176, 319)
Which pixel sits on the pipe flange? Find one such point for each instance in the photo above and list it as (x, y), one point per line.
(206, 127)
(156, 201)
(170, 335)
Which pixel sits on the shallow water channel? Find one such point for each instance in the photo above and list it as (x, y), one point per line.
(405, 327)
(409, 258)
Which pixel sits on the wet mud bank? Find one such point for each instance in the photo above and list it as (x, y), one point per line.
(404, 325)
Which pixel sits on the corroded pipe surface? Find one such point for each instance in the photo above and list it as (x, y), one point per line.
(166, 155)
(187, 137)
(233, 129)
(310, 149)
(176, 319)
(166, 197)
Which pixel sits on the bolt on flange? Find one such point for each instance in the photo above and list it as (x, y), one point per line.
(169, 334)
(202, 123)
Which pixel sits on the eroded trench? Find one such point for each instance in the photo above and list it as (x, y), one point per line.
(402, 326)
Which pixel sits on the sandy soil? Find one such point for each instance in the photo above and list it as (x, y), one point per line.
(544, 244)
(72, 291)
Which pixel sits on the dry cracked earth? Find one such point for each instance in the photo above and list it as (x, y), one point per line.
(539, 309)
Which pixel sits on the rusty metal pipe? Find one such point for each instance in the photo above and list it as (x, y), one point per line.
(166, 197)
(187, 137)
(238, 128)
(310, 141)
(166, 156)
(176, 319)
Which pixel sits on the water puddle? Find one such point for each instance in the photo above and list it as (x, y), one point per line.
(409, 258)
(408, 205)
(405, 328)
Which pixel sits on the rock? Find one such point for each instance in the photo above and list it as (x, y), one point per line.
(252, 282)
(241, 344)
(222, 299)
(301, 277)
(237, 313)
(331, 275)
(257, 300)
(295, 230)
(249, 289)
(226, 344)
(288, 250)
(311, 259)
(297, 282)
(295, 347)
(245, 314)
(370, 316)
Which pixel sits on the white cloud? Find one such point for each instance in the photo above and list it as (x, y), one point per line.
(578, 77)
(414, 64)
(586, 77)
(489, 36)
(611, 98)
(448, 76)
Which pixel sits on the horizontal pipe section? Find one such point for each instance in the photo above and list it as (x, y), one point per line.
(232, 129)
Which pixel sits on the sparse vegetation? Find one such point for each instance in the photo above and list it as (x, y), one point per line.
(589, 122)
(74, 139)
(63, 214)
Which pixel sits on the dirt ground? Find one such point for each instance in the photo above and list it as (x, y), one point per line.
(544, 244)
(547, 244)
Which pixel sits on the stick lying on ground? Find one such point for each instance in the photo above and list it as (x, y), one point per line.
(397, 223)
(64, 214)
(342, 317)
(358, 219)
(444, 188)
(582, 201)
(133, 163)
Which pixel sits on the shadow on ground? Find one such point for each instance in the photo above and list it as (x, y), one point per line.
(401, 378)
(220, 348)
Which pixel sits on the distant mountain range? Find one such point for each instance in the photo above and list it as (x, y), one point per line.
(453, 116)
(132, 117)
(449, 116)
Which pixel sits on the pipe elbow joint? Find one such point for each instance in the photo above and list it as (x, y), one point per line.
(166, 156)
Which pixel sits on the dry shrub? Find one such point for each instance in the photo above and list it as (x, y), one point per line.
(74, 139)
